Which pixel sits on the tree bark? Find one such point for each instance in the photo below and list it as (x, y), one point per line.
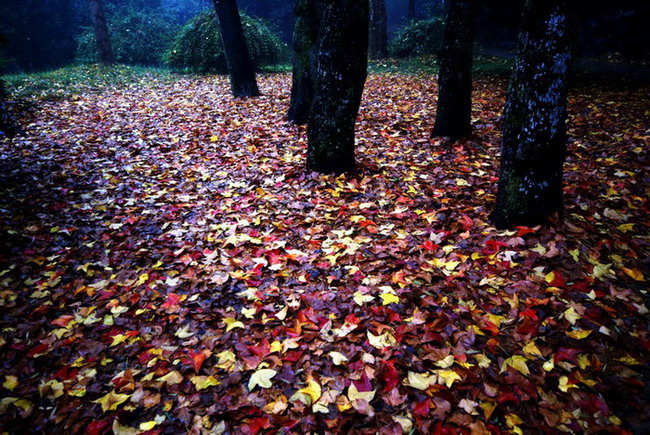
(534, 125)
(378, 30)
(411, 10)
(104, 47)
(305, 40)
(340, 77)
(454, 110)
(240, 65)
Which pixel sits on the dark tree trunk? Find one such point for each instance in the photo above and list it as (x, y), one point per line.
(411, 10)
(454, 110)
(104, 47)
(305, 39)
(534, 125)
(340, 77)
(240, 65)
(378, 30)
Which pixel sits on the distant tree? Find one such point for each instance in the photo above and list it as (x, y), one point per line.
(8, 125)
(378, 30)
(534, 125)
(104, 47)
(305, 39)
(453, 116)
(411, 10)
(240, 65)
(339, 82)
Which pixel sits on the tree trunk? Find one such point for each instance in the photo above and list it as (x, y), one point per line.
(340, 77)
(454, 112)
(240, 65)
(378, 30)
(411, 10)
(305, 40)
(104, 47)
(534, 125)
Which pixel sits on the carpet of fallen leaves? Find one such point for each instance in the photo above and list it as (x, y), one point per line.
(167, 264)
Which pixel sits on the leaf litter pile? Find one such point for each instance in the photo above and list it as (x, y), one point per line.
(168, 265)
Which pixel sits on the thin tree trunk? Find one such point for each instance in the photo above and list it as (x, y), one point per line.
(340, 77)
(378, 30)
(411, 10)
(305, 40)
(534, 125)
(240, 65)
(454, 110)
(104, 47)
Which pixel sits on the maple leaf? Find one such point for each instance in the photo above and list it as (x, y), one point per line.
(261, 378)
(309, 394)
(203, 382)
(112, 400)
(517, 362)
(420, 381)
(338, 358)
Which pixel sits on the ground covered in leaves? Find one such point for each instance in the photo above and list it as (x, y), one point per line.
(167, 264)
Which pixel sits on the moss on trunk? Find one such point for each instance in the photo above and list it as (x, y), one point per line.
(340, 77)
(534, 126)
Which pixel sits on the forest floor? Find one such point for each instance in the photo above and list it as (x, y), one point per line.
(166, 263)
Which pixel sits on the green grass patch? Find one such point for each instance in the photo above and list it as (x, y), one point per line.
(428, 65)
(73, 80)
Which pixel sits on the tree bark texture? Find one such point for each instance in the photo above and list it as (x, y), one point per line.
(411, 10)
(104, 47)
(240, 65)
(534, 124)
(454, 109)
(340, 78)
(378, 46)
(305, 48)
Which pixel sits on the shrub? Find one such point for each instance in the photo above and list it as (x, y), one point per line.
(197, 47)
(418, 38)
(139, 37)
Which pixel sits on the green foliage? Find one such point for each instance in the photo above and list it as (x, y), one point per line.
(198, 47)
(139, 37)
(418, 38)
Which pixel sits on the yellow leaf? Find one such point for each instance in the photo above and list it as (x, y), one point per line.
(226, 360)
(119, 429)
(447, 377)
(361, 299)
(389, 298)
(629, 360)
(232, 323)
(338, 358)
(147, 425)
(548, 365)
(214, 138)
(203, 382)
(276, 346)
(446, 362)
(420, 381)
(276, 407)
(261, 378)
(112, 400)
(482, 360)
(184, 332)
(517, 362)
(564, 384)
(626, 227)
(571, 315)
(119, 339)
(583, 361)
(381, 341)
(249, 313)
(171, 378)
(532, 349)
(578, 334)
(10, 382)
(634, 274)
(601, 270)
(355, 394)
(575, 254)
(308, 395)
